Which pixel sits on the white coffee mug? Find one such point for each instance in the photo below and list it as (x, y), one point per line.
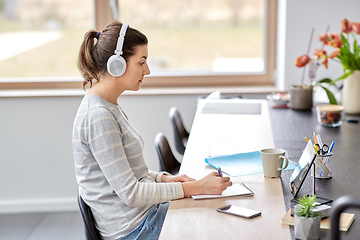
(272, 161)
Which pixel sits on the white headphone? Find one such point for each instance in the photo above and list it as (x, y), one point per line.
(116, 64)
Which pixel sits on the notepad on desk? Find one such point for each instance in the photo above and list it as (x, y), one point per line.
(346, 220)
(233, 191)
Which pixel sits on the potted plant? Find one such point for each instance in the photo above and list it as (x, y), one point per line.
(347, 53)
(307, 220)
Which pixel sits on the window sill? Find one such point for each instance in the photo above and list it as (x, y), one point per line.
(142, 92)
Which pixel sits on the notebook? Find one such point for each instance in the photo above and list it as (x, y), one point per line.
(240, 164)
(346, 220)
(238, 189)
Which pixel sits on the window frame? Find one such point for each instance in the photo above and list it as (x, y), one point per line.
(103, 15)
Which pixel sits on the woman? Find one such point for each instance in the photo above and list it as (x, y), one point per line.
(128, 200)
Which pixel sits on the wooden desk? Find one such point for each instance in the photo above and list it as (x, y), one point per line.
(216, 134)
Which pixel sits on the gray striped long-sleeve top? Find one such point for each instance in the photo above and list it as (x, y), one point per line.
(113, 177)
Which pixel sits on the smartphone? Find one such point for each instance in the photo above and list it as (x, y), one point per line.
(239, 211)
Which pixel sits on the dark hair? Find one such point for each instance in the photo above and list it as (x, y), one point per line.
(93, 56)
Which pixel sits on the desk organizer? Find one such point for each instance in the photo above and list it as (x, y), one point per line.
(322, 168)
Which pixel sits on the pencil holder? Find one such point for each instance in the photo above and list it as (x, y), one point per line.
(322, 168)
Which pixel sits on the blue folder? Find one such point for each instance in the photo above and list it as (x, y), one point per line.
(240, 164)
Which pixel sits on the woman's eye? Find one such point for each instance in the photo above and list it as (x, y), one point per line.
(142, 63)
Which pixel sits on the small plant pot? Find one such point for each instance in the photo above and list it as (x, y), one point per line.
(307, 228)
(301, 97)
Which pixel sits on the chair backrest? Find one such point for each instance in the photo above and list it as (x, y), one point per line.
(91, 232)
(180, 133)
(167, 160)
(338, 207)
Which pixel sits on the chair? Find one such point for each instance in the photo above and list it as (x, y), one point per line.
(167, 160)
(338, 207)
(91, 232)
(180, 133)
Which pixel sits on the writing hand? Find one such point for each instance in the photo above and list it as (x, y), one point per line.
(213, 184)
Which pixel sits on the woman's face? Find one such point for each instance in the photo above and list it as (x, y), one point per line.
(136, 69)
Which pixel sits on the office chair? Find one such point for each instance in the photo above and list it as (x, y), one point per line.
(180, 133)
(167, 160)
(91, 232)
(338, 207)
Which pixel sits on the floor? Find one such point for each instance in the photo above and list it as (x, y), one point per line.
(42, 226)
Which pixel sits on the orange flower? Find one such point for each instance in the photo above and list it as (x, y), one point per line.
(356, 27)
(331, 39)
(335, 53)
(320, 53)
(302, 60)
(346, 26)
(324, 38)
(336, 43)
(325, 62)
(336, 36)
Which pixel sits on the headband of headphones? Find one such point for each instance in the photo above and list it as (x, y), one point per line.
(120, 42)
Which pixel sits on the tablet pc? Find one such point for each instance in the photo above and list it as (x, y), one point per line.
(302, 168)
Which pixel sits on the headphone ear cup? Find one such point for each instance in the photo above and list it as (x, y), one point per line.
(116, 66)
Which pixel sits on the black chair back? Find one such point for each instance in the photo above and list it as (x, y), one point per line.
(338, 207)
(180, 133)
(167, 160)
(91, 232)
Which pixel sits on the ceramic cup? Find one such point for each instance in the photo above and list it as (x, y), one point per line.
(301, 97)
(272, 161)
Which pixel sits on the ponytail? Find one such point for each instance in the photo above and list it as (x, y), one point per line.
(86, 62)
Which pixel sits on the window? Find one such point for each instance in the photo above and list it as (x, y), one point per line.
(40, 40)
(206, 42)
(191, 42)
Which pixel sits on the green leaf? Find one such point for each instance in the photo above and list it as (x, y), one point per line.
(344, 41)
(331, 96)
(306, 206)
(324, 80)
(355, 42)
(342, 77)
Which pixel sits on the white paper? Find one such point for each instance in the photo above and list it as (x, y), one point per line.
(234, 190)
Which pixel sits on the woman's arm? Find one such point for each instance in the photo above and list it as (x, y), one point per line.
(211, 184)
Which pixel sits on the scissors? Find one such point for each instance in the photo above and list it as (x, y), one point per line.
(322, 150)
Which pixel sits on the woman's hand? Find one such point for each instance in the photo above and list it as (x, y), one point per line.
(211, 184)
(177, 178)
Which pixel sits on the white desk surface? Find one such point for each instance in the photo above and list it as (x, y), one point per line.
(217, 134)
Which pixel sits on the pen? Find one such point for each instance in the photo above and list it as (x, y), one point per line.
(331, 147)
(219, 171)
(306, 139)
(316, 150)
(319, 140)
(315, 138)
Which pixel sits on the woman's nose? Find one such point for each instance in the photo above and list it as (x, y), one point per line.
(146, 70)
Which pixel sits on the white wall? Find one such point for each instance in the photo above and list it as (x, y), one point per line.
(296, 20)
